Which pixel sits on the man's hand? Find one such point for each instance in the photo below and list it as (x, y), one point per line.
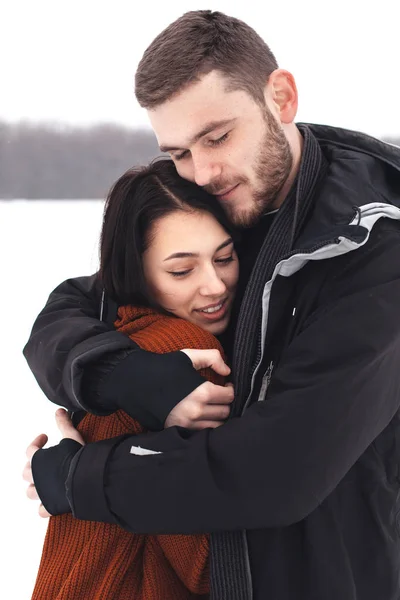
(67, 430)
(39, 442)
(209, 404)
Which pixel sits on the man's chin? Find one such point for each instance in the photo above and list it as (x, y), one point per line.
(244, 218)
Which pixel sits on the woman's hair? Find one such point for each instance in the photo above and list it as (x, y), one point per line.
(137, 200)
(194, 45)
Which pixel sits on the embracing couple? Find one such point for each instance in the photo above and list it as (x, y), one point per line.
(263, 244)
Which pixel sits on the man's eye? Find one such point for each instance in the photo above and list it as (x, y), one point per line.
(182, 155)
(220, 140)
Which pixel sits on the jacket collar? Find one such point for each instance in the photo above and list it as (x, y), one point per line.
(361, 171)
(357, 141)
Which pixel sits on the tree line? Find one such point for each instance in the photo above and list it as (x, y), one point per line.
(39, 161)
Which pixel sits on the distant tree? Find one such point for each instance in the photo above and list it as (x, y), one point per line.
(40, 161)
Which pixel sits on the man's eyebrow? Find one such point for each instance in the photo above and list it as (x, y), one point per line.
(208, 128)
(189, 254)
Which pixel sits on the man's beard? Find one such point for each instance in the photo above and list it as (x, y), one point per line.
(272, 169)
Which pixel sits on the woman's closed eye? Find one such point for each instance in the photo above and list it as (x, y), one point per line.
(223, 261)
(179, 273)
(226, 260)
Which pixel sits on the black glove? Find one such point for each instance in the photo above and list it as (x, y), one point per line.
(50, 468)
(146, 385)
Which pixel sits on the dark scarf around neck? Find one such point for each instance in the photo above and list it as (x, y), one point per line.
(230, 571)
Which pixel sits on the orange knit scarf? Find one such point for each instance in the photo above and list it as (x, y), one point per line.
(85, 560)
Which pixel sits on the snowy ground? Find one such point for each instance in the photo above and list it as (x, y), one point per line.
(41, 244)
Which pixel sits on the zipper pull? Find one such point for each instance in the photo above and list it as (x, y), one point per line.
(265, 382)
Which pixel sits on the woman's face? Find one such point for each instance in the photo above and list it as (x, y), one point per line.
(192, 268)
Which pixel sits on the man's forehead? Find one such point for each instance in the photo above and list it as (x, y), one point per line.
(198, 101)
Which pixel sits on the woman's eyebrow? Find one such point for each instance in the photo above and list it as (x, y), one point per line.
(188, 254)
(180, 255)
(224, 244)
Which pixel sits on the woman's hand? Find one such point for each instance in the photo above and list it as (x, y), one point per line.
(68, 431)
(202, 359)
(209, 404)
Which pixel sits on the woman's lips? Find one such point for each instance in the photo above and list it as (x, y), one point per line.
(216, 315)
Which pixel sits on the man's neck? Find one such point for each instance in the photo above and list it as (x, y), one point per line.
(296, 142)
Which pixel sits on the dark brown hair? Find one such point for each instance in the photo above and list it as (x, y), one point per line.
(135, 202)
(196, 44)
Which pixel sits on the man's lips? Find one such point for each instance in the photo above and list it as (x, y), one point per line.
(224, 195)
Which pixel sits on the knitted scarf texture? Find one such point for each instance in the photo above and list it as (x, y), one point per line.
(84, 560)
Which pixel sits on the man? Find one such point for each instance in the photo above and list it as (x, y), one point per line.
(300, 488)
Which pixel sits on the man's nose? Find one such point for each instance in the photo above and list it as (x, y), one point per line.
(205, 170)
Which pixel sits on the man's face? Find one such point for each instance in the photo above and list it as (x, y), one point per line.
(228, 144)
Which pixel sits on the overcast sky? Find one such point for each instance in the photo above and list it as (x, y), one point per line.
(75, 61)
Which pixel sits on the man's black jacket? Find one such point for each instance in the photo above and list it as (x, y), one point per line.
(310, 471)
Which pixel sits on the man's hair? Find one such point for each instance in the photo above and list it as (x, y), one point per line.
(196, 44)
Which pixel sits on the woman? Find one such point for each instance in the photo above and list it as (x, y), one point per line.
(167, 258)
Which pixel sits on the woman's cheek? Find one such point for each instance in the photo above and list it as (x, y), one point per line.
(175, 297)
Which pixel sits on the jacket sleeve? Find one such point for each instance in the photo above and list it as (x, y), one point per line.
(67, 328)
(81, 362)
(336, 388)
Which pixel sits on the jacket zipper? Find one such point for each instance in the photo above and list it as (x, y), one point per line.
(264, 386)
(265, 381)
(260, 350)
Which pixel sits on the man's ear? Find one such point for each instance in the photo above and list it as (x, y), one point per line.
(281, 95)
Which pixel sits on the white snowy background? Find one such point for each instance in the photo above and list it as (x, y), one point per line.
(73, 62)
(41, 244)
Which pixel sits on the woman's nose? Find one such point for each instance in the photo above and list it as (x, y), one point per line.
(212, 284)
